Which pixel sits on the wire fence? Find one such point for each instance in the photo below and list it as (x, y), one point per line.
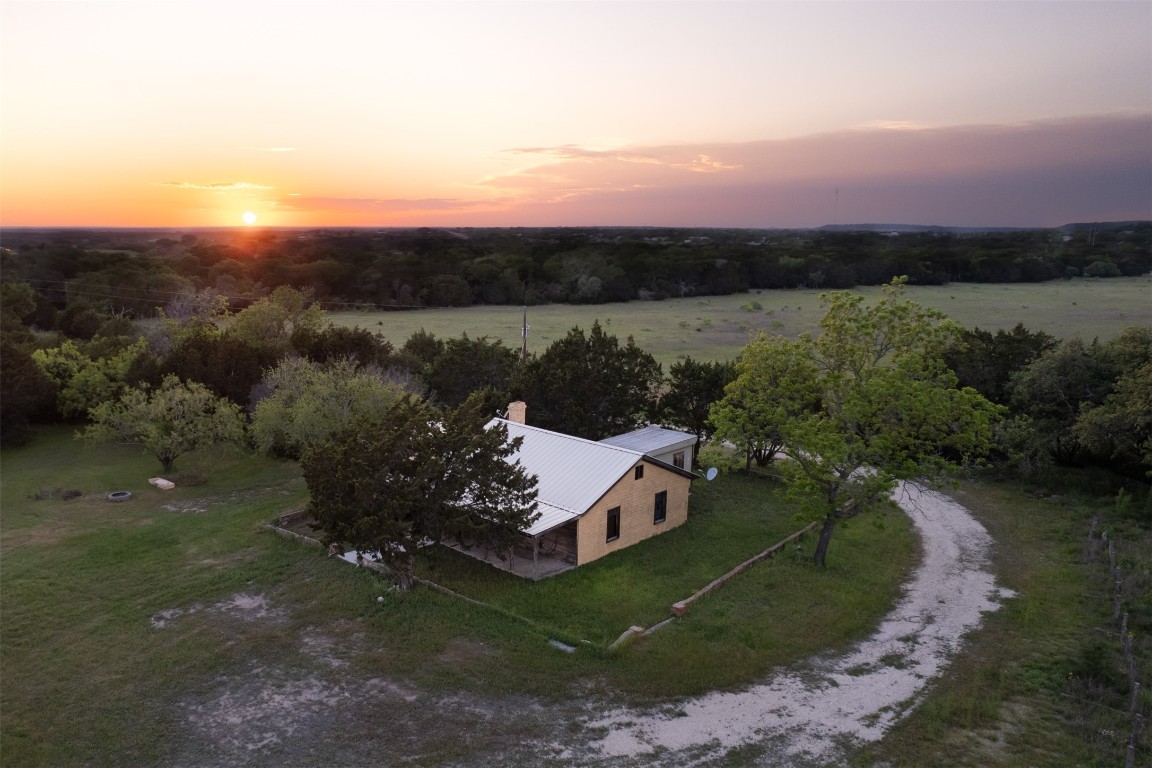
(1126, 584)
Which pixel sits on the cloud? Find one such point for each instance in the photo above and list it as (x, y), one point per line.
(275, 149)
(221, 186)
(1037, 173)
(374, 205)
(700, 163)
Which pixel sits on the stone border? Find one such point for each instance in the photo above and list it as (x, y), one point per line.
(680, 608)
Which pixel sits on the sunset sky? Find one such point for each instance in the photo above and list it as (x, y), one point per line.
(751, 114)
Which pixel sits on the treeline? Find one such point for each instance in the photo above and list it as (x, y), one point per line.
(84, 278)
(1065, 402)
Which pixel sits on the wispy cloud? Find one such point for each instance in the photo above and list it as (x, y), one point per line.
(393, 205)
(892, 125)
(275, 149)
(700, 163)
(218, 186)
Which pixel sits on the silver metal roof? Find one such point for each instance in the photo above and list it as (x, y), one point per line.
(652, 439)
(572, 473)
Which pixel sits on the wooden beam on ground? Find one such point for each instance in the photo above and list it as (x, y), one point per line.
(680, 608)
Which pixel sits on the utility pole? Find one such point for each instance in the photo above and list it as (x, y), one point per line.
(524, 337)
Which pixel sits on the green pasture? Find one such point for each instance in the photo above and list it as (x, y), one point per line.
(123, 622)
(132, 632)
(718, 327)
(1039, 684)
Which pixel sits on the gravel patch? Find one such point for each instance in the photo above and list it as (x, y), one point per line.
(814, 712)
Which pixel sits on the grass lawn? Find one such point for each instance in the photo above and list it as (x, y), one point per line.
(780, 610)
(168, 629)
(718, 327)
(1037, 684)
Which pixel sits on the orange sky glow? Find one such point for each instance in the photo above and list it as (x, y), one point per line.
(751, 114)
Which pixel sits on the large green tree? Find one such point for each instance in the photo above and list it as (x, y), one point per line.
(466, 365)
(589, 385)
(307, 402)
(169, 421)
(986, 361)
(419, 475)
(90, 374)
(274, 319)
(691, 389)
(1119, 426)
(1050, 392)
(867, 403)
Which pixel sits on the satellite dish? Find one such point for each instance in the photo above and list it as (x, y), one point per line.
(711, 473)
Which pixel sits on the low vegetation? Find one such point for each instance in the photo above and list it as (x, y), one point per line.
(1042, 683)
(117, 616)
(187, 582)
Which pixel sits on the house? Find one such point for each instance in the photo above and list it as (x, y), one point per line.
(667, 445)
(594, 498)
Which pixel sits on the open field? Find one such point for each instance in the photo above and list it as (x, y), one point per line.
(718, 327)
(171, 630)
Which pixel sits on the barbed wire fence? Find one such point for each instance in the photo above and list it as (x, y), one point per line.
(1126, 583)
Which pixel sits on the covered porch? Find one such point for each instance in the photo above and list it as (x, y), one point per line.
(536, 556)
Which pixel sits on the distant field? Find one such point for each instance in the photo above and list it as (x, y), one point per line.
(717, 327)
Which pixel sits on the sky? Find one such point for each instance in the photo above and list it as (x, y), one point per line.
(695, 114)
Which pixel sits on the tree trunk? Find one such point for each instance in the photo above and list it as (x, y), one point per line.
(825, 537)
(167, 462)
(406, 575)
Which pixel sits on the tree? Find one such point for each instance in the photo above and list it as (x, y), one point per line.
(417, 476)
(692, 388)
(336, 342)
(466, 365)
(308, 402)
(1120, 425)
(986, 361)
(25, 391)
(175, 418)
(1051, 390)
(228, 364)
(866, 404)
(421, 348)
(17, 302)
(775, 381)
(273, 320)
(85, 379)
(589, 385)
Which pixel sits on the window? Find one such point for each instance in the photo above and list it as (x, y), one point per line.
(613, 524)
(660, 511)
(678, 460)
(640, 472)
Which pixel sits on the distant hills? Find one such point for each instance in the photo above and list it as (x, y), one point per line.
(946, 230)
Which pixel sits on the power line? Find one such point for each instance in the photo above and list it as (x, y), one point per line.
(155, 295)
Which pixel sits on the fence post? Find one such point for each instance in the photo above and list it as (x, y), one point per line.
(1130, 761)
(1119, 593)
(1090, 544)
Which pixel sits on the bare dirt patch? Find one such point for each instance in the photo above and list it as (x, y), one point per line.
(242, 606)
(320, 710)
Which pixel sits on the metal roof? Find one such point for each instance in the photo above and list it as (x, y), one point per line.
(571, 473)
(652, 439)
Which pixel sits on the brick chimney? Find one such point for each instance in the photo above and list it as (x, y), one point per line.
(517, 412)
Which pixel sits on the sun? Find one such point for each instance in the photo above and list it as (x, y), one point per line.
(249, 218)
